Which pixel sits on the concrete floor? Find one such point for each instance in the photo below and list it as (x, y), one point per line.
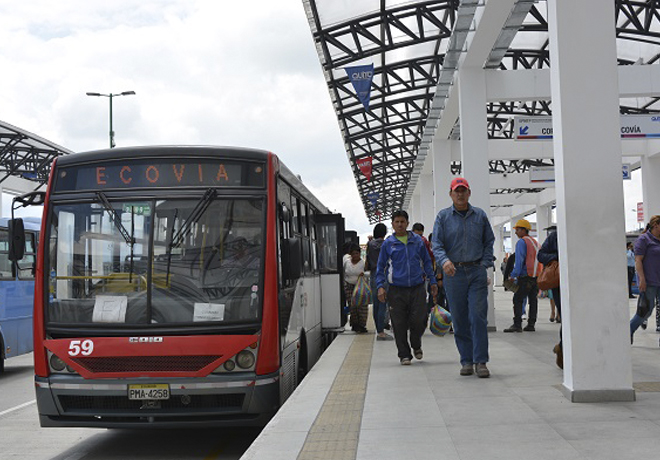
(428, 411)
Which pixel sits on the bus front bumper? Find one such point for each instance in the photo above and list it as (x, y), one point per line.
(215, 400)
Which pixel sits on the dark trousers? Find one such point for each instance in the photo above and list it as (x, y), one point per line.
(631, 277)
(408, 312)
(528, 289)
(556, 296)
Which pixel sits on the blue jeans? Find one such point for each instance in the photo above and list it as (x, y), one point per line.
(653, 296)
(379, 308)
(467, 294)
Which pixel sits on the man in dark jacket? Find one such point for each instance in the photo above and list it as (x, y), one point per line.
(379, 308)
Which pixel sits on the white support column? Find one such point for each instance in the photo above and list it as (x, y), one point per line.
(514, 237)
(441, 173)
(427, 215)
(413, 212)
(542, 222)
(587, 152)
(474, 138)
(499, 254)
(651, 186)
(474, 149)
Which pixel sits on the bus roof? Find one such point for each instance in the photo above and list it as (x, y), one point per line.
(162, 151)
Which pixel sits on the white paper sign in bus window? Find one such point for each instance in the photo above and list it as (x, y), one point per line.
(110, 309)
(209, 312)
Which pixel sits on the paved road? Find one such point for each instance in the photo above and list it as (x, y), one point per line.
(21, 437)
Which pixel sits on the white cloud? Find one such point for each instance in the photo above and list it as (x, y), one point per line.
(205, 72)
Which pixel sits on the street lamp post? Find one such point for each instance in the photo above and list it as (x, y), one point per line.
(110, 96)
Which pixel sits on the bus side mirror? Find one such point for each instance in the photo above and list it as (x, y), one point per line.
(292, 259)
(16, 240)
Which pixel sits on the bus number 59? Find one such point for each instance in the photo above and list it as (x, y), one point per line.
(84, 347)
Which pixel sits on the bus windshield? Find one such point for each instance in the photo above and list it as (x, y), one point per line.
(162, 261)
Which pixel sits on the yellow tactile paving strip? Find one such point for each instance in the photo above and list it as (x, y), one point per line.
(647, 387)
(336, 430)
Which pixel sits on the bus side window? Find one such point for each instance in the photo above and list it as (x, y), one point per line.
(5, 263)
(295, 215)
(28, 262)
(313, 240)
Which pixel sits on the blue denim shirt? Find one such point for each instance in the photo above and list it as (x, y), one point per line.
(520, 265)
(463, 238)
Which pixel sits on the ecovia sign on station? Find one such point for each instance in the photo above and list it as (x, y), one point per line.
(632, 127)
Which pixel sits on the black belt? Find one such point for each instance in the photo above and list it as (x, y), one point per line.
(467, 264)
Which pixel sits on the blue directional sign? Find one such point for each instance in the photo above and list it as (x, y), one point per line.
(626, 172)
(523, 130)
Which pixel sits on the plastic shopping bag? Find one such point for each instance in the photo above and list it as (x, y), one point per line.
(361, 293)
(440, 321)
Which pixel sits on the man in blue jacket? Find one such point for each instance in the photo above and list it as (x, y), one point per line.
(463, 242)
(405, 263)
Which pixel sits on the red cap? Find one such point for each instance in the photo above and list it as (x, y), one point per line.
(459, 182)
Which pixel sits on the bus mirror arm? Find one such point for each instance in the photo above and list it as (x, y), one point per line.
(35, 198)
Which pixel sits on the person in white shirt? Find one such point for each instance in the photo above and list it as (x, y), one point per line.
(353, 269)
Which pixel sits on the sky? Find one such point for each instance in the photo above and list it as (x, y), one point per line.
(204, 72)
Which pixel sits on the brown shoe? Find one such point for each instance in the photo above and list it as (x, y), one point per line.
(560, 355)
(482, 371)
(467, 369)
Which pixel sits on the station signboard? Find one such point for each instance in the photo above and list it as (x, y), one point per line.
(632, 127)
(538, 174)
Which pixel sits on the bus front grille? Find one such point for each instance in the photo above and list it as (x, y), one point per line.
(122, 403)
(129, 364)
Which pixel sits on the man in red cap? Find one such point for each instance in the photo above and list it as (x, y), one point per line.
(463, 242)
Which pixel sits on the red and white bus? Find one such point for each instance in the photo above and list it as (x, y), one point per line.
(180, 285)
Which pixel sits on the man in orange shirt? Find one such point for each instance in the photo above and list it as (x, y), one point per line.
(524, 273)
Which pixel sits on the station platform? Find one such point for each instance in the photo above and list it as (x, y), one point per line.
(358, 402)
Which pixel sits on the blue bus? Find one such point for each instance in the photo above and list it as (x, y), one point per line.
(17, 291)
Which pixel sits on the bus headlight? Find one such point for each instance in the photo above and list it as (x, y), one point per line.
(56, 363)
(229, 365)
(245, 359)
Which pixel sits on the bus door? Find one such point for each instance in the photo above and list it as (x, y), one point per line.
(330, 239)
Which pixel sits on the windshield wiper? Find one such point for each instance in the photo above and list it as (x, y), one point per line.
(197, 212)
(116, 219)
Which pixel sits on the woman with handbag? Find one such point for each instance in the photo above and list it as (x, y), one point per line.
(647, 265)
(548, 253)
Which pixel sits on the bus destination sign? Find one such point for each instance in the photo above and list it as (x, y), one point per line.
(160, 173)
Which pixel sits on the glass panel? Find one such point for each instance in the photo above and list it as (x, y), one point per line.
(28, 263)
(206, 265)
(328, 248)
(5, 263)
(91, 277)
(213, 272)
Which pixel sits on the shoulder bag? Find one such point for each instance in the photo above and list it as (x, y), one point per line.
(549, 277)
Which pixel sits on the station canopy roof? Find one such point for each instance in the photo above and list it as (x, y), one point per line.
(26, 155)
(415, 49)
